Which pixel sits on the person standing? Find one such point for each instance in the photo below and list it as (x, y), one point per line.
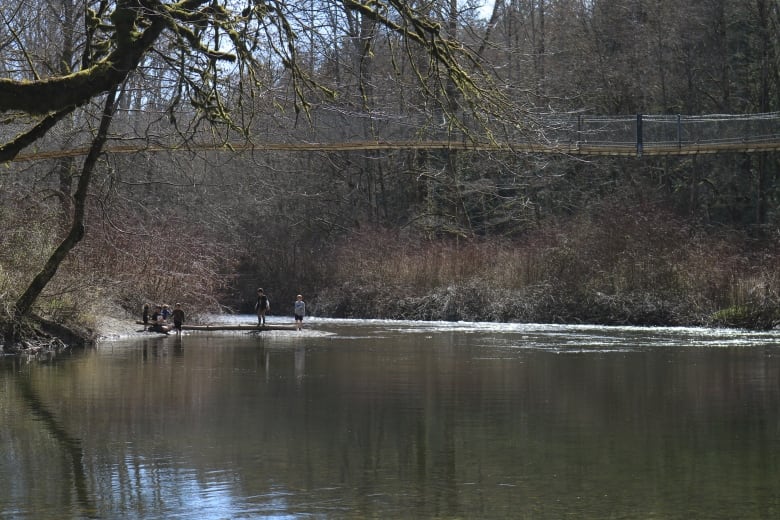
(145, 315)
(300, 310)
(178, 317)
(262, 305)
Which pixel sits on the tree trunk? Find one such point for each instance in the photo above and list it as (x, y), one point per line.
(25, 302)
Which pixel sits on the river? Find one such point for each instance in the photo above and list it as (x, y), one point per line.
(390, 419)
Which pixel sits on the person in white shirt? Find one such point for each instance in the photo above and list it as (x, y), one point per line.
(300, 310)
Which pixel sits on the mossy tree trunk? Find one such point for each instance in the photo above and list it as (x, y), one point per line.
(26, 301)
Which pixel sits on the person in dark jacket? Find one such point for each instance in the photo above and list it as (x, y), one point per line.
(178, 317)
(158, 323)
(145, 315)
(262, 305)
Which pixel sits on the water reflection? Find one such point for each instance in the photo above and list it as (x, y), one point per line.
(397, 420)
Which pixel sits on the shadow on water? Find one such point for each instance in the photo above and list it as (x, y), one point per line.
(71, 446)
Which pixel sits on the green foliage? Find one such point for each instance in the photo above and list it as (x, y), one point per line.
(748, 317)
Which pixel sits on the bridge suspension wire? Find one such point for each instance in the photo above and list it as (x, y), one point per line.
(570, 134)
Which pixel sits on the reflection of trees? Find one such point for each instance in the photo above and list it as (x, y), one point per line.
(424, 432)
(73, 454)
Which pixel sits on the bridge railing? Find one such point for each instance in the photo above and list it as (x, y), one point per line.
(335, 128)
(644, 134)
(639, 134)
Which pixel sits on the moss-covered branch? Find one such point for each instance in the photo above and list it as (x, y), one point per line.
(72, 90)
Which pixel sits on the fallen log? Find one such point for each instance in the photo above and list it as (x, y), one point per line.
(229, 327)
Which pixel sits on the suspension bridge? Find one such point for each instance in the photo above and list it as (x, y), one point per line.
(573, 134)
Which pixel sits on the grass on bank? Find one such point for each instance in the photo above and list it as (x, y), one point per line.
(652, 270)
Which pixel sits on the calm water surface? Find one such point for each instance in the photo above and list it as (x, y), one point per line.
(357, 419)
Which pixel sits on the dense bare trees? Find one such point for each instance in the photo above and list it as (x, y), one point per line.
(191, 61)
(215, 73)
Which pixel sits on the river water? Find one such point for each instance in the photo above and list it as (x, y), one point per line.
(388, 419)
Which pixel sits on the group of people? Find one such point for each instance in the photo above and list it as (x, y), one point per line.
(158, 321)
(263, 305)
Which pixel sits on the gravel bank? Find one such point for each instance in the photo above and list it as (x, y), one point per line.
(109, 328)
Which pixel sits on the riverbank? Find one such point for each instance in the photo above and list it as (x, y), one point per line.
(112, 328)
(655, 272)
(123, 327)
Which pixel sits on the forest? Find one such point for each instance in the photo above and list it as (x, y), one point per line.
(193, 151)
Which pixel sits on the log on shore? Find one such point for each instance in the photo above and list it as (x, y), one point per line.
(229, 327)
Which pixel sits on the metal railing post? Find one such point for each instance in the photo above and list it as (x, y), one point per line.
(639, 143)
(679, 132)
